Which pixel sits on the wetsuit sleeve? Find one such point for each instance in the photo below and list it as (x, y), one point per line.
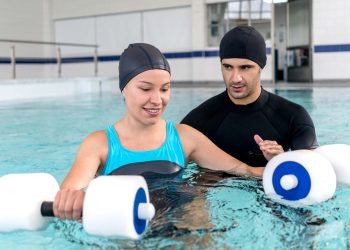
(304, 135)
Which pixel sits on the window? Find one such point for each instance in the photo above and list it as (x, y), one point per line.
(224, 16)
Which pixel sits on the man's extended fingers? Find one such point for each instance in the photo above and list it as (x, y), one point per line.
(270, 146)
(258, 139)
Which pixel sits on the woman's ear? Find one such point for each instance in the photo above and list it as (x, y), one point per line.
(123, 94)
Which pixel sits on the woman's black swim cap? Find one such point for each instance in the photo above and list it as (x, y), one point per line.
(137, 58)
(244, 42)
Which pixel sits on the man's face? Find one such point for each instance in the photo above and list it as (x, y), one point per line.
(242, 79)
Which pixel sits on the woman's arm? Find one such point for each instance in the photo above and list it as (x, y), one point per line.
(69, 200)
(205, 153)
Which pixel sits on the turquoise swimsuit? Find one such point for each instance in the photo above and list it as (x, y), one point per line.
(169, 158)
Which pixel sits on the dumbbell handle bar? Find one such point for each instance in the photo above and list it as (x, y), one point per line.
(146, 211)
(46, 209)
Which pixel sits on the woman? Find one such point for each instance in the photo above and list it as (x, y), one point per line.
(141, 141)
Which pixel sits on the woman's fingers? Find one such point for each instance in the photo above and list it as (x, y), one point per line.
(78, 205)
(68, 204)
(56, 204)
(61, 206)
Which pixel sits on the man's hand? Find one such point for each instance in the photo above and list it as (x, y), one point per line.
(268, 148)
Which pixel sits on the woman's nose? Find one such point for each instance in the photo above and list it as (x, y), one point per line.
(156, 97)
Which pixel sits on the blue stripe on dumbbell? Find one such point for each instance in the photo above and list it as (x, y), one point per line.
(139, 224)
(296, 169)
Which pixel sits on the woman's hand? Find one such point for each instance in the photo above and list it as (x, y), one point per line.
(268, 148)
(68, 204)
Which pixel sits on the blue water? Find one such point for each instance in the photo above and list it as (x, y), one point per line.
(203, 210)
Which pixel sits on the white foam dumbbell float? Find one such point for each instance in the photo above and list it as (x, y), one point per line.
(304, 177)
(339, 156)
(113, 205)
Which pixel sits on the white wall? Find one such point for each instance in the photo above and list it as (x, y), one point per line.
(63, 9)
(171, 29)
(113, 36)
(199, 25)
(331, 25)
(331, 21)
(171, 25)
(168, 29)
(25, 20)
(78, 31)
(206, 69)
(112, 24)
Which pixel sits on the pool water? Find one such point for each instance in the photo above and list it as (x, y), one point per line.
(201, 210)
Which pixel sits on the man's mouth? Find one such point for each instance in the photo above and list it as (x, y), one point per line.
(237, 87)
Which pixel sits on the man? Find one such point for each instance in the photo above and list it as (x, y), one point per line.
(245, 120)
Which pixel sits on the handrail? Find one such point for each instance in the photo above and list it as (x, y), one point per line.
(58, 53)
(49, 43)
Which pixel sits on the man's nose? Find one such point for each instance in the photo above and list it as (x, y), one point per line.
(236, 76)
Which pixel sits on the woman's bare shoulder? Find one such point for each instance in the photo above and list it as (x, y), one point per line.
(186, 130)
(96, 139)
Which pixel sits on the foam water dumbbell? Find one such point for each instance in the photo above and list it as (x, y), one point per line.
(128, 206)
(339, 156)
(299, 178)
(113, 205)
(21, 196)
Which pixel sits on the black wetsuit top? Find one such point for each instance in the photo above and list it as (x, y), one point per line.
(232, 127)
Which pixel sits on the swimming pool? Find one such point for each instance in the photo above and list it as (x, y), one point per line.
(224, 212)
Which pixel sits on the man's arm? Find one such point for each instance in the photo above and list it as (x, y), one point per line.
(303, 133)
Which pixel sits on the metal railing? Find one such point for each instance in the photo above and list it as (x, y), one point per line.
(58, 53)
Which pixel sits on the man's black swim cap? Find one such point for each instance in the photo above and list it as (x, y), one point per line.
(137, 58)
(244, 42)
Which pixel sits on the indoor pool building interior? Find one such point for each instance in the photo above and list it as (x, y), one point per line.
(59, 81)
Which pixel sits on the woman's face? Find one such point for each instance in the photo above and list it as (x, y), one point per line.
(147, 94)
